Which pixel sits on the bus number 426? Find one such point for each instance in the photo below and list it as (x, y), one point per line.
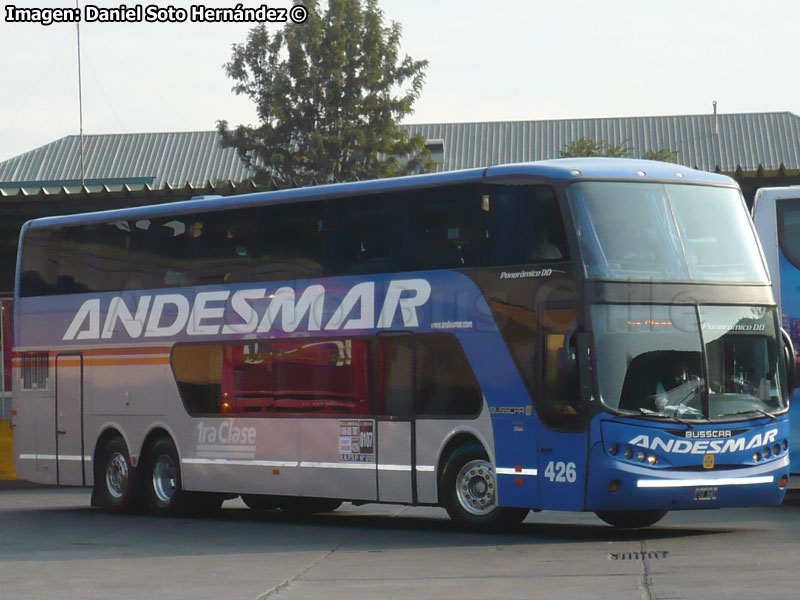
(561, 472)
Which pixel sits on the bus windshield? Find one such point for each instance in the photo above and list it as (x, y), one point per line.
(650, 360)
(743, 359)
(672, 232)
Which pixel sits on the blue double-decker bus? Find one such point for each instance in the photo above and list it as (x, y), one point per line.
(580, 335)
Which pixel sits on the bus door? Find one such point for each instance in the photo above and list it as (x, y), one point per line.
(69, 420)
(396, 435)
(562, 432)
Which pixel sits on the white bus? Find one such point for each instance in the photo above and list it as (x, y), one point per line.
(776, 213)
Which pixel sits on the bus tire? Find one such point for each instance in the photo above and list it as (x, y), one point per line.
(201, 504)
(163, 487)
(308, 506)
(260, 502)
(468, 490)
(116, 485)
(631, 519)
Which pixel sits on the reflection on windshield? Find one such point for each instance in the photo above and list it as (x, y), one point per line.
(646, 231)
(742, 359)
(650, 360)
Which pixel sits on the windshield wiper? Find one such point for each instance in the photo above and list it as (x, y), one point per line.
(653, 413)
(748, 412)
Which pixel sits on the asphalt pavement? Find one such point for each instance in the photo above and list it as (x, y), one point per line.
(52, 545)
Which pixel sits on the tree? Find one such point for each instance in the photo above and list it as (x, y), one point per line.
(329, 93)
(588, 147)
(664, 155)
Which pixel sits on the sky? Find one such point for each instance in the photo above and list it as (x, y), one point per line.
(489, 61)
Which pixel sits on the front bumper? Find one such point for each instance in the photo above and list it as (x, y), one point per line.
(643, 488)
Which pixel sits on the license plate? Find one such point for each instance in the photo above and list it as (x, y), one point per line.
(705, 493)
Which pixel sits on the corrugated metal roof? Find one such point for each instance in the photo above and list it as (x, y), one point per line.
(156, 159)
(725, 142)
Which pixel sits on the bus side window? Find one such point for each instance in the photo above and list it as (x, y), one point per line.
(40, 262)
(76, 259)
(197, 369)
(445, 231)
(447, 387)
(159, 252)
(100, 256)
(366, 235)
(288, 241)
(220, 247)
(324, 377)
(524, 224)
(789, 229)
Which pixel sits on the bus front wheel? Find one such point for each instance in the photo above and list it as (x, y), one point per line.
(631, 519)
(115, 483)
(468, 490)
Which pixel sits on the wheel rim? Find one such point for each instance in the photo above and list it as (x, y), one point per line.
(476, 487)
(164, 478)
(117, 474)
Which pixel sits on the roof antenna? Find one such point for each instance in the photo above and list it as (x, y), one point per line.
(80, 94)
(716, 122)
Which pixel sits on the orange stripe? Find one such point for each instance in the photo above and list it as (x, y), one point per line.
(104, 362)
(103, 351)
(73, 362)
(118, 362)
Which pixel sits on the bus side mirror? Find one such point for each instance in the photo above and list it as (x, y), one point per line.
(790, 358)
(584, 368)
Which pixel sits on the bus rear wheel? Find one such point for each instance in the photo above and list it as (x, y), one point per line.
(115, 484)
(468, 490)
(631, 519)
(163, 488)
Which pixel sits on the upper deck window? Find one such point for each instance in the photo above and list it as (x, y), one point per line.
(459, 226)
(653, 231)
(524, 225)
(789, 229)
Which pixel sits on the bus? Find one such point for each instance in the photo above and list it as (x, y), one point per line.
(576, 334)
(776, 213)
